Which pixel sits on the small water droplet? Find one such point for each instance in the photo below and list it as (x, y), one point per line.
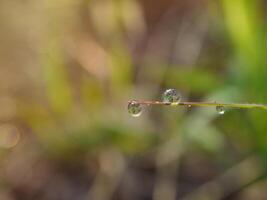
(134, 109)
(171, 96)
(220, 110)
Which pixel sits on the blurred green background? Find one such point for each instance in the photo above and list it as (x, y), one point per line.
(69, 67)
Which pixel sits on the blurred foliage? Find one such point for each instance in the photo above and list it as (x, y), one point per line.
(68, 69)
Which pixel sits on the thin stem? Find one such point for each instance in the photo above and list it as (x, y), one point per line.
(202, 104)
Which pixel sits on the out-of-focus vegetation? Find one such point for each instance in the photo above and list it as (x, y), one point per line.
(68, 68)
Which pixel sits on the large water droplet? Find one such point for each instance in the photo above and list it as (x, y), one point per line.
(171, 96)
(134, 109)
(220, 110)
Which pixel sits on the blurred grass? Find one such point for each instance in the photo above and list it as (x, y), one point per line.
(72, 72)
(250, 62)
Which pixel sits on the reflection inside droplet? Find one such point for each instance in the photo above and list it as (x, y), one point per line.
(134, 109)
(220, 110)
(171, 96)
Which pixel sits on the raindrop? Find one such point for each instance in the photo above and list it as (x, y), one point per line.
(220, 110)
(134, 109)
(171, 96)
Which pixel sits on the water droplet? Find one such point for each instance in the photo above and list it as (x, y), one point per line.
(134, 109)
(171, 96)
(220, 110)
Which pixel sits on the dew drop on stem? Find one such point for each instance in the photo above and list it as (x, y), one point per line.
(171, 96)
(134, 109)
(220, 110)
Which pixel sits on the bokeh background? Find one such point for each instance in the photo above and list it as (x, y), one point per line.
(69, 67)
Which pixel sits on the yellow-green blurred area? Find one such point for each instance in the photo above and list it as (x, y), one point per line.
(69, 67)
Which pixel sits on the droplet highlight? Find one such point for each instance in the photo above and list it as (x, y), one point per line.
(171, 96)
(220, 110)
(134, 109)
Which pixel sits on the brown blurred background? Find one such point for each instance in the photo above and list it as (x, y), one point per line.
(69, 67)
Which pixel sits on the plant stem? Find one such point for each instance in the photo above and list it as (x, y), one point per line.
(202, 104)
